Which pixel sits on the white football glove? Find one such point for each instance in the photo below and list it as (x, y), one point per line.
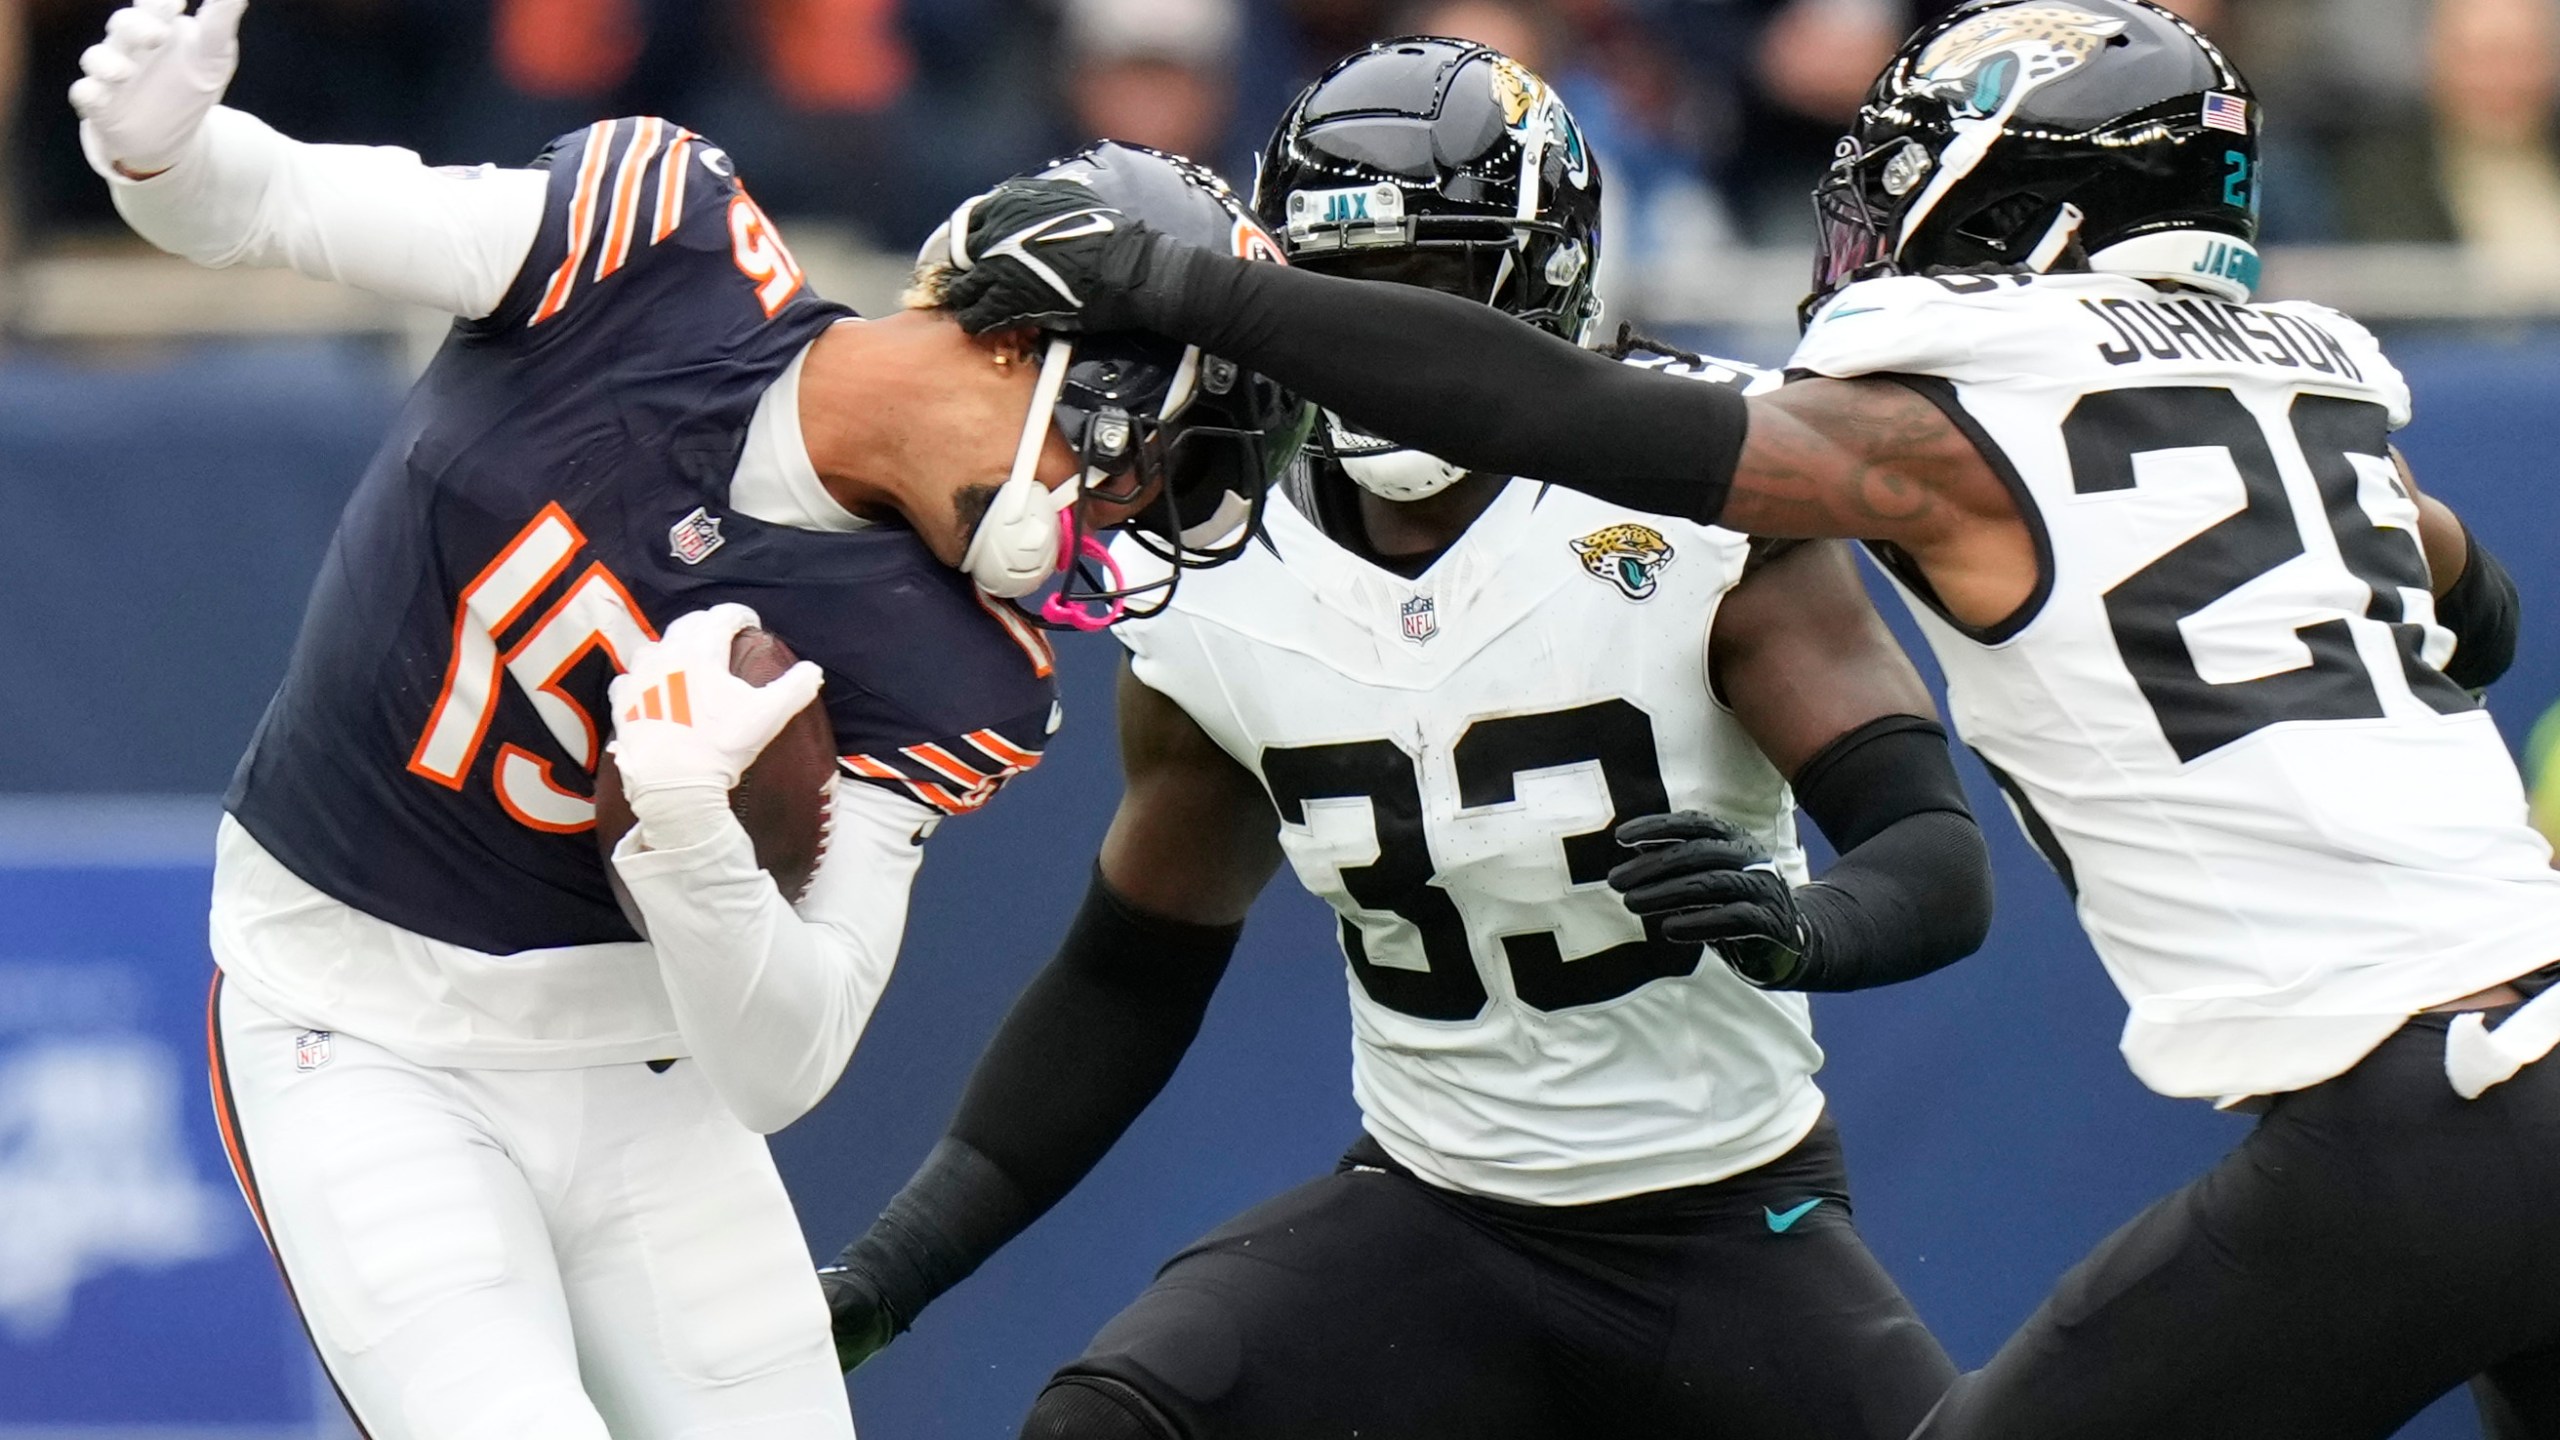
(685, 729)
(144, 90)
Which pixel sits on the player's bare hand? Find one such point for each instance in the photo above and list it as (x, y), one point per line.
(1708, 882)
(145, 89)
(1045, 253)
(685, 728)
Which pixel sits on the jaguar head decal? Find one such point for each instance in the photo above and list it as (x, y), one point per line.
(1630, 557)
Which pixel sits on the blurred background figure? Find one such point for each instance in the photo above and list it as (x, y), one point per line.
(2477, 164)
(1154, 72)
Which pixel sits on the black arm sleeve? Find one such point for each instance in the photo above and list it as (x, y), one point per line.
(1091, 1041)
(1911, 891)
(2484, 613)
(1461, 380)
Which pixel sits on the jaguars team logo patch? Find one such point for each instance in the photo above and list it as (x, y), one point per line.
(694, 537)
(1630, 557)
(1988, 64)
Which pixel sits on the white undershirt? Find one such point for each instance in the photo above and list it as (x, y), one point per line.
(768, 998)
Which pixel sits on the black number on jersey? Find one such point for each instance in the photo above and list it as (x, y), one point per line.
(2107, 430)
(1490, 756)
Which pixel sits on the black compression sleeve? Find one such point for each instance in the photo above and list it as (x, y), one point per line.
(1090, 1042)
(2484, 613)
(1461, 380)
(1911, 891)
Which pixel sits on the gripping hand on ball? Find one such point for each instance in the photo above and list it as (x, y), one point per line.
(145, 89)
(1706, 881)
(1046, 253)
(685, 728)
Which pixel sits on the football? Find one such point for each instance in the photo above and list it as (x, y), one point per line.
(782, 800)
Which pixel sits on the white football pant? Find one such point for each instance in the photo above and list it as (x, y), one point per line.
(501, 1254)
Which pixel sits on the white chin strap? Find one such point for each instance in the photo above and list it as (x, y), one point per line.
(1387, 470)
(1017, 545)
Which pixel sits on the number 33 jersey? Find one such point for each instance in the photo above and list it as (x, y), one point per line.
(1448, 756)
(2221, 713)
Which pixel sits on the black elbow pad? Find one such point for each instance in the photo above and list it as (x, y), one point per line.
(2484, 613)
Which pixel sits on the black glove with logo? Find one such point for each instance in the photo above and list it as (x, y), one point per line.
(1051, 254)
(1705, 881)
(864, 1321)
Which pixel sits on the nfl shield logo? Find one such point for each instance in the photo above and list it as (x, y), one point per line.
(1421, 619)
(311, 1049)
(694, 537)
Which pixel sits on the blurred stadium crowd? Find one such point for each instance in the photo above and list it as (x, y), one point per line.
(2412, 121)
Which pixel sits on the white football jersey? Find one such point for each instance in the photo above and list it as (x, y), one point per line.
(2221, 715)
(1448, 756)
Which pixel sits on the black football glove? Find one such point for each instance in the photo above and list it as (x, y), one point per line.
(1707, 882)
(1045, 253)
(864, 1322)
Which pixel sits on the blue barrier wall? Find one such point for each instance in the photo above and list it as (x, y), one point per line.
(167, 519)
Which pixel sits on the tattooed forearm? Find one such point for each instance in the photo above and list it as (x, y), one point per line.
(1857, 459)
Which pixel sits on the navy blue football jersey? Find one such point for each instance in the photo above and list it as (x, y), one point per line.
(553, 493)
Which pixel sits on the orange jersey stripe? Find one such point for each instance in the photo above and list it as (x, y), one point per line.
(945, 764)
(625, 222)
(671, 173)
(1035, 646)
(931, 794)
(582, 216)
(1001, 750)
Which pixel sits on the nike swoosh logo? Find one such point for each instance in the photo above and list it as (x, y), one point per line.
(1094, 224)
(1854, 310)
(1781, 1221)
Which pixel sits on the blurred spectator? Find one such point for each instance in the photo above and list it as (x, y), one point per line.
(1813, 64)
(1153, 72)
(13, 31)
(1524, 32)
(2482, 170)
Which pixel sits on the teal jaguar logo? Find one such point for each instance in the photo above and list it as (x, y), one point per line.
(1987, 64)
(1630, 557)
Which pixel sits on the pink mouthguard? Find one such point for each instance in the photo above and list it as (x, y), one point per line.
(1086, 615)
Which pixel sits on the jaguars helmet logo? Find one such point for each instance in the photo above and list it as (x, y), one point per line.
(1630, 557)
(1988, 64)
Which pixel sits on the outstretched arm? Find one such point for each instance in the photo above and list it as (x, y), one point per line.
(1865, 459)
(1092, 1039)
(1810, 670)
(2475, 597)
(221, 188)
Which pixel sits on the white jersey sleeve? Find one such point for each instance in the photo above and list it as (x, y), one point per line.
(374, 217)
(771, 999)
(2363, 351)
(1902, 324)
(2222, 712)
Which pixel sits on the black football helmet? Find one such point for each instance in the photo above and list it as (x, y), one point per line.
(1453, 155)
(2007, 129)
(1139, 410)
(1445, 164)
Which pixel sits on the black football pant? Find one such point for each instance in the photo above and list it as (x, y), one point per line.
(1372, 1304)
(2377, 1241)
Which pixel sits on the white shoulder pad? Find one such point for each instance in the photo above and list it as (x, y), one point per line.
(1905, 324)
(2363, 351)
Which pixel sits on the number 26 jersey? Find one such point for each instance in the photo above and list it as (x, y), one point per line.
(1448, 756)
(2221, 714)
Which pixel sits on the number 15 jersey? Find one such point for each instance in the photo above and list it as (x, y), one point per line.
(1448, 756)
(2221, 713)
